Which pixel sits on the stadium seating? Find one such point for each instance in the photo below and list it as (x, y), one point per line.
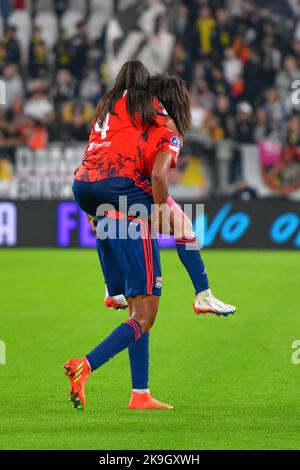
(96, 24)
(70, 20)
(44, 5)
(103, 6)
(78, 5)
(47, 22)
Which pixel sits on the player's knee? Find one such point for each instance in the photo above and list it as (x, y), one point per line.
(144, 310)
(145, 319)
(145, 323)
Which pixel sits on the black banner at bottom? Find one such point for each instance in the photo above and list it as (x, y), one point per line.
(136, 459)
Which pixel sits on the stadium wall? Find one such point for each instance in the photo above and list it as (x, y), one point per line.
(259, 224)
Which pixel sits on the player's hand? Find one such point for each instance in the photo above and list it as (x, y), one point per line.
(162, 223)
(91, 223)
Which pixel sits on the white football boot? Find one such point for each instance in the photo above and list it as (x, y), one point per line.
(205, 302)
(117, 302)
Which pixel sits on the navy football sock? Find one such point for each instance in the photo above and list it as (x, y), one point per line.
(193, 263)
(139, 362)
(122, 337)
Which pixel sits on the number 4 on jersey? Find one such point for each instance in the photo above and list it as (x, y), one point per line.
(104, 128)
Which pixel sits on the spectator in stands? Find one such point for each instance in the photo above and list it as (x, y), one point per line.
(8, 140)
(3, 55)
(292, 133)
(38, 56)
(38, 106)
(13, 85)
(91, 88)
(13, 55)
(271, 59)
(77, 129)
(224, 113)
(79, 51)
(66, 87)
(207, 98)
(286, 76)
(60, 7)
(217, 82)
(182, 22)
(205, 26)
(198, 112)
(244, 124)
(296, 49)
(32, 132)
(262, 127)
(186, 31)
(275, 109)
(63, 51)
(233, 66)
(243, 134)
(181, 63)
(253, 77)
(222, 35)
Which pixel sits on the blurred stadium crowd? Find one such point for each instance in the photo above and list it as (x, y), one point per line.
(239, 59)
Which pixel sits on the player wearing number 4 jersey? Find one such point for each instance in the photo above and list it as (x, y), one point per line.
(156, 141)
(107, 172)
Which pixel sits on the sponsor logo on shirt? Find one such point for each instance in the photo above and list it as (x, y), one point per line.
(95, 145)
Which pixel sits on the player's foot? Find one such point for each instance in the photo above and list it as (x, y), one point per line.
(78, 371)
(117, 302)
(144, 401)
(205, 302)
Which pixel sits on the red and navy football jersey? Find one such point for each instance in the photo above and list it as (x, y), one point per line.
(112, 149)
(157, 140)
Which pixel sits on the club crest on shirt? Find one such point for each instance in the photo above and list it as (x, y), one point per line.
(175, 141)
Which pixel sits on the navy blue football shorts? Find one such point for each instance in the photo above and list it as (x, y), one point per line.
(131, 265)
(90, 195)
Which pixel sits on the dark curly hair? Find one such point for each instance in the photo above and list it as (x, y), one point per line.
(173, 94)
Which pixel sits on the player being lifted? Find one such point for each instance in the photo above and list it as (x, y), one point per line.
(172, 93)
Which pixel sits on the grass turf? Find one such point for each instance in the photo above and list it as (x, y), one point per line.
(231, 379)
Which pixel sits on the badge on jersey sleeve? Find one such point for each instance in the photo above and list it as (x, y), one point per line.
(175, 144)
(176, 141)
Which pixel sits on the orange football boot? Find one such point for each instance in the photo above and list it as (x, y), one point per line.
(78, 371)
(144, 401)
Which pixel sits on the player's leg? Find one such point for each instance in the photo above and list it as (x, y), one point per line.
(79, 369)
(118, 301)
(141, 397)
(143, 309)
(189, 254)
(141, 266)
(135, 260)
(139, 350)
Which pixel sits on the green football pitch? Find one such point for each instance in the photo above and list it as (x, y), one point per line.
(231, 380)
